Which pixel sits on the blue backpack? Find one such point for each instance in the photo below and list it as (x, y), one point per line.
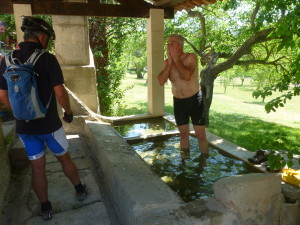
(22, 87)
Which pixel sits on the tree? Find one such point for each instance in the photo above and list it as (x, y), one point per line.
(9, 37)
(261, 34)
(139, 63)
(106, 35)
(136, 52)
(251, 33)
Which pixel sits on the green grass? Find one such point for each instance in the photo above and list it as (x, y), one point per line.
(234, 115)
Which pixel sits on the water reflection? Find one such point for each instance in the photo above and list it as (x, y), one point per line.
(186, 177)
(144, 127)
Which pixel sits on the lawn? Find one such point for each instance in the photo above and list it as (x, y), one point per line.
(234, 115)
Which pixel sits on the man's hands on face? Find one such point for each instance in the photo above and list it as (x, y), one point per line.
(174, 53)
(170, 60)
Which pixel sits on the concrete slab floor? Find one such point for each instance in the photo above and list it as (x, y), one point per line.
(22, 205)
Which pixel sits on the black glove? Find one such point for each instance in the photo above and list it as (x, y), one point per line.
(68, 118)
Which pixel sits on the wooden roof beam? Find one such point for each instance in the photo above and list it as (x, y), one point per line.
(57, 7)
(141, 4)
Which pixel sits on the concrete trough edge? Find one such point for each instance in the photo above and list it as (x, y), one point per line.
(139, 194)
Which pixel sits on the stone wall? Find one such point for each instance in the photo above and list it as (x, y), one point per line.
(4, 168)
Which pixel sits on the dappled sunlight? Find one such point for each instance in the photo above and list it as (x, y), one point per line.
(167, 179)
(219, 141)
(72, 136)
(241, 149)
(144, 127)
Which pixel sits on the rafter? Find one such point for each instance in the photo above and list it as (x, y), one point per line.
(127, 8)
(135, 3)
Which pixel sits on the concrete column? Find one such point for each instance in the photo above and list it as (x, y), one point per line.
(155, 58)
(19, 11)
(74, 55)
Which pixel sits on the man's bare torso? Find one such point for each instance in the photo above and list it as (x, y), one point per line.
(183, 88)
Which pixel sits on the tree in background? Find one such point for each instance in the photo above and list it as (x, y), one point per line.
(259, 35)
(9, 37)
(136, 50)
(243, 33)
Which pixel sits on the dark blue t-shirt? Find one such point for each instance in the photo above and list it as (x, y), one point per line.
(49, 76)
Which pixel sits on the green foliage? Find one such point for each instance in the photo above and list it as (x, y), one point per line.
(285, 15)
(107, 37)
(136, 54)
(289, 84)
(10, 30)
(111, 100)
(230, 5)
(276, 159)
(227, 79)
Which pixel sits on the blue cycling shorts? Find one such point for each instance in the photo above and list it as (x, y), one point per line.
(35, 144)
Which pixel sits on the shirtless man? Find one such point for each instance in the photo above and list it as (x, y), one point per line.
(182, 70)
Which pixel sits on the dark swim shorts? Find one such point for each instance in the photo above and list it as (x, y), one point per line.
(192, 107)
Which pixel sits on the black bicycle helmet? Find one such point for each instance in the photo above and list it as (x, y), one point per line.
(36, 24)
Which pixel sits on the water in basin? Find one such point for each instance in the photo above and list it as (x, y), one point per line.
(148, 126)
(189, 180)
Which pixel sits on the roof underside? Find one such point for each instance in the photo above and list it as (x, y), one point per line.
(179, 5)
(120, 8)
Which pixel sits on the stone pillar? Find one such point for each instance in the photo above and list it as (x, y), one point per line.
(155, 59)
(19, 11)
(74, 55)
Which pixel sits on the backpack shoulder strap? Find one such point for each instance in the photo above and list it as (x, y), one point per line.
(33, 59)
(9, 59)
(35, 56)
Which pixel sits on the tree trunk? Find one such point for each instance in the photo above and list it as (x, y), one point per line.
(208, 77)
(207, 87)
(212, 70)
(98, 40)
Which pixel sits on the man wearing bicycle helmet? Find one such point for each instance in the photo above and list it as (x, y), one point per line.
(35, 134)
